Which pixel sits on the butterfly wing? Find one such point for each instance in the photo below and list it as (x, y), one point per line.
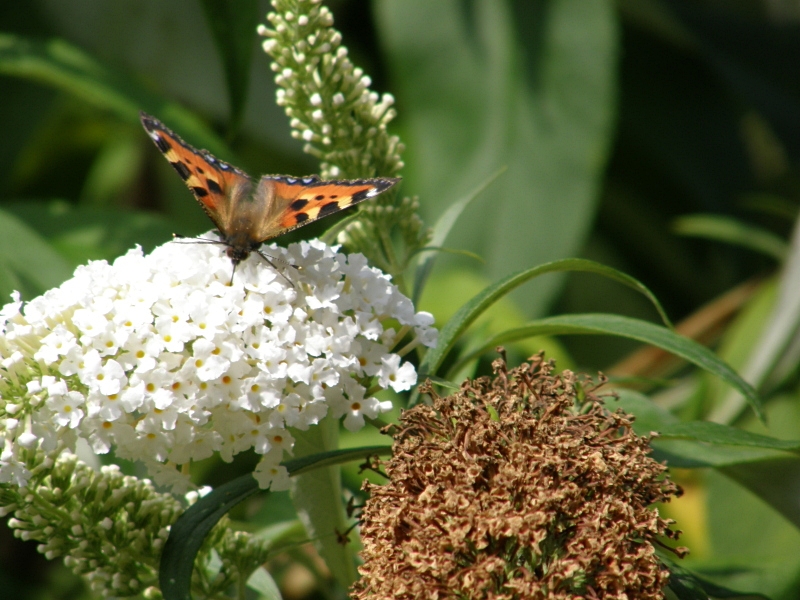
(291, 202)
(217, 186)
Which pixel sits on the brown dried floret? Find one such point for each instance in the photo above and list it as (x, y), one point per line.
(518, 486)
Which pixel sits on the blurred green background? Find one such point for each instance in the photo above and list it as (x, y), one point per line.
(612, 118)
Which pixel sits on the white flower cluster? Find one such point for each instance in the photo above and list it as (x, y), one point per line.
(162, 359)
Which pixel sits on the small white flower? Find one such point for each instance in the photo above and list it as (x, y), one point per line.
(271, 475)
(395, 376)
(58, 343)
(66, 408)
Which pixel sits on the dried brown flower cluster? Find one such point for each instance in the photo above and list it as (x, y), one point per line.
(518, 486)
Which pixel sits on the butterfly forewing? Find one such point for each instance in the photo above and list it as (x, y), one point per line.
(247, 215)
(293, 202)
(215, 184)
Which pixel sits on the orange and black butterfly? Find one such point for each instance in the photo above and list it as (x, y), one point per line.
(248, 213)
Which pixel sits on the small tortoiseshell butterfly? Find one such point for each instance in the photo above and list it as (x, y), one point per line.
(249, 213)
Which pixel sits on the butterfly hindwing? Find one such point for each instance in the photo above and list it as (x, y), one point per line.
(216, 185)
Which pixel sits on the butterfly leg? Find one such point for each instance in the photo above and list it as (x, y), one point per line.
(274, 266)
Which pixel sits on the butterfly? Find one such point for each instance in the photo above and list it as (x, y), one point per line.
(248, 213)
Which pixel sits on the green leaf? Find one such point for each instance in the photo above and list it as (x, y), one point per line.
(233, 25)
(441, 230)
(443, 383)
(642, 331)
(263, 583)
(487, 83)
(114, 171)
(66, 67)
(649, 415)
(733, 231)
(697, 444)
(26, 253)
(715, 433)
(470, 311)
(775, 480)
(690, 586)
(306, 464)
(188, 532)
(82, 233)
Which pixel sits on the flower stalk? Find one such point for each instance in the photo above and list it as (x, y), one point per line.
(343, 124)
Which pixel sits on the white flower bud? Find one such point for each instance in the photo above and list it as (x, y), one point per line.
(27, 440)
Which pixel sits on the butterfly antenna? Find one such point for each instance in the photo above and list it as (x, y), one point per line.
(185, 239)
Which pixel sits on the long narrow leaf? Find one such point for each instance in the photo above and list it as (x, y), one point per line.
(686, 585)
(733, 231)
(188, 532)
(442, 229)
(470, 311)
(25, 252)
(715, 433)
(68, 68)
(642, 331)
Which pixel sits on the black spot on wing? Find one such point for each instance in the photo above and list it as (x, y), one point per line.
(200, 192)
(182, 169)
(213, 186)
(320, 197)
(162, 144)
(363, 195)
(328, 209)
(301, 217)
(298, 204)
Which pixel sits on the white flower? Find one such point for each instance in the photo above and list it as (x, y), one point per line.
(354, 406)
(160, 358)
(66, 408)
(392, 374)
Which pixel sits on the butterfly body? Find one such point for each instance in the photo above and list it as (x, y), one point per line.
(248, 213)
